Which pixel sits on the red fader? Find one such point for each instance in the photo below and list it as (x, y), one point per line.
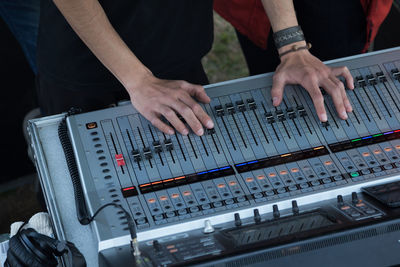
(120, 159)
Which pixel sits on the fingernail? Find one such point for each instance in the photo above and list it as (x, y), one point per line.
(274, 101)
(344, 115)
(200, 132)
(170, 132)
(185, 132)
(324, 117)
(210, 124)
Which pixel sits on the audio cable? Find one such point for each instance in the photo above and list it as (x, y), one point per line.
(82, 212)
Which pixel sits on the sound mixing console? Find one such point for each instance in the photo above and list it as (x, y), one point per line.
(238, 180)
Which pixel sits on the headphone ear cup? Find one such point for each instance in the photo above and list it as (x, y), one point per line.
(18, 255)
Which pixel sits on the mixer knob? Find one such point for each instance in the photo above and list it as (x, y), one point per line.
(302, 111)
(270, 117)
(157, 147)
(340, 200)
(381, 76)
(230, 108)
(280, 115)
(168, 144)
(276, 212)
(147, 153)
(251, 103)
(371, 79)
(240, 105)
(257, 217)
(291, 113)
(210, 131)
(325, 124)
(360, 80)
(354, 198)
(295, 208)
(136, 155)
(238, 221)
(396, 74)
(219, 110)
(208, 228)
(156, 245)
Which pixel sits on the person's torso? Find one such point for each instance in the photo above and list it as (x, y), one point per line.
(166, 35)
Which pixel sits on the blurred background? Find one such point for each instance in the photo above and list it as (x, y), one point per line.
(18, 184)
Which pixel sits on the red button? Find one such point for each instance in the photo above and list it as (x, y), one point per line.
(120, 159)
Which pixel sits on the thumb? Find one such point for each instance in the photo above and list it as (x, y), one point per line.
(277, 89)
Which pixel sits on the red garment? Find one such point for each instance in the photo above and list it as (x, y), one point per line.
(250, 19)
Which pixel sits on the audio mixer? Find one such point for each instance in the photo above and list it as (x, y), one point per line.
(256, 162)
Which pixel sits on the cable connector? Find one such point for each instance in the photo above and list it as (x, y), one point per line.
(135, 247)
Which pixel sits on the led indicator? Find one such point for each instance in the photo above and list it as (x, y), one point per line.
(354, 174)
(128, 188)
(355, 140)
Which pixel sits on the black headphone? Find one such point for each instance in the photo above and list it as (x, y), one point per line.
(29, 248)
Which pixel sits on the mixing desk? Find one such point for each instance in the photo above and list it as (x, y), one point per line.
(256, 161)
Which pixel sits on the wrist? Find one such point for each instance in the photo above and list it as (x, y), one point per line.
(288, 47)
(136, 78)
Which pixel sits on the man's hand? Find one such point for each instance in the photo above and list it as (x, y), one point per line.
(155, 98)
(302, 68)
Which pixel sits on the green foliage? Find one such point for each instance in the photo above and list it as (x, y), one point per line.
(225, 61)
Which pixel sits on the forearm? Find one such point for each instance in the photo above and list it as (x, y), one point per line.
(90, 22)
(282, 15)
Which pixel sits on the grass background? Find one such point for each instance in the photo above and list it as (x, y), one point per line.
(226, 60)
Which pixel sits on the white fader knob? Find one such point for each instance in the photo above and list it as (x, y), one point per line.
(208, 228)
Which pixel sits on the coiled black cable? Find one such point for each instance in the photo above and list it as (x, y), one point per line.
(80, 202)
(81, 209)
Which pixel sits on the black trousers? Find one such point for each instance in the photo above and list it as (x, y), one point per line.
(54, 99)
(335, 28)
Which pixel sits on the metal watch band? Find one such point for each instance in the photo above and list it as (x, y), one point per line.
(288, 36)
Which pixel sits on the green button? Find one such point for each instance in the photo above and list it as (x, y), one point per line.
(354, 174)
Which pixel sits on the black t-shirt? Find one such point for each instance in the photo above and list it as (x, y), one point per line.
(167, 36)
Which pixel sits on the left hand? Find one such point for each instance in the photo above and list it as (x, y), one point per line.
(301, 67)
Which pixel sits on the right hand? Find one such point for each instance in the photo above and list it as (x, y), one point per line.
(154, 98)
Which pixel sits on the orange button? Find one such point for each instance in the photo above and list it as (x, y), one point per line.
(173, 250)
(174, 195)
(232, 183)
(294, 170)
(366, 154)
(345, 208)
(187, 193)
(377, 151)
(152, 200)
(272, 174)
(283, 172)
(388, 149)
(221, 185)
(163, 198)
(249, 179)
(328, 162)
(260, 177)
(398, 147)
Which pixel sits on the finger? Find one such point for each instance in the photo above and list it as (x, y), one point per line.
(318, 100)
(344, 71)
(171, 116)
(198, 111)
(278, 86)
(347, 103)
(159, 124)
(334, 89)
(187, 113)
(346, 100)
(197, 91)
